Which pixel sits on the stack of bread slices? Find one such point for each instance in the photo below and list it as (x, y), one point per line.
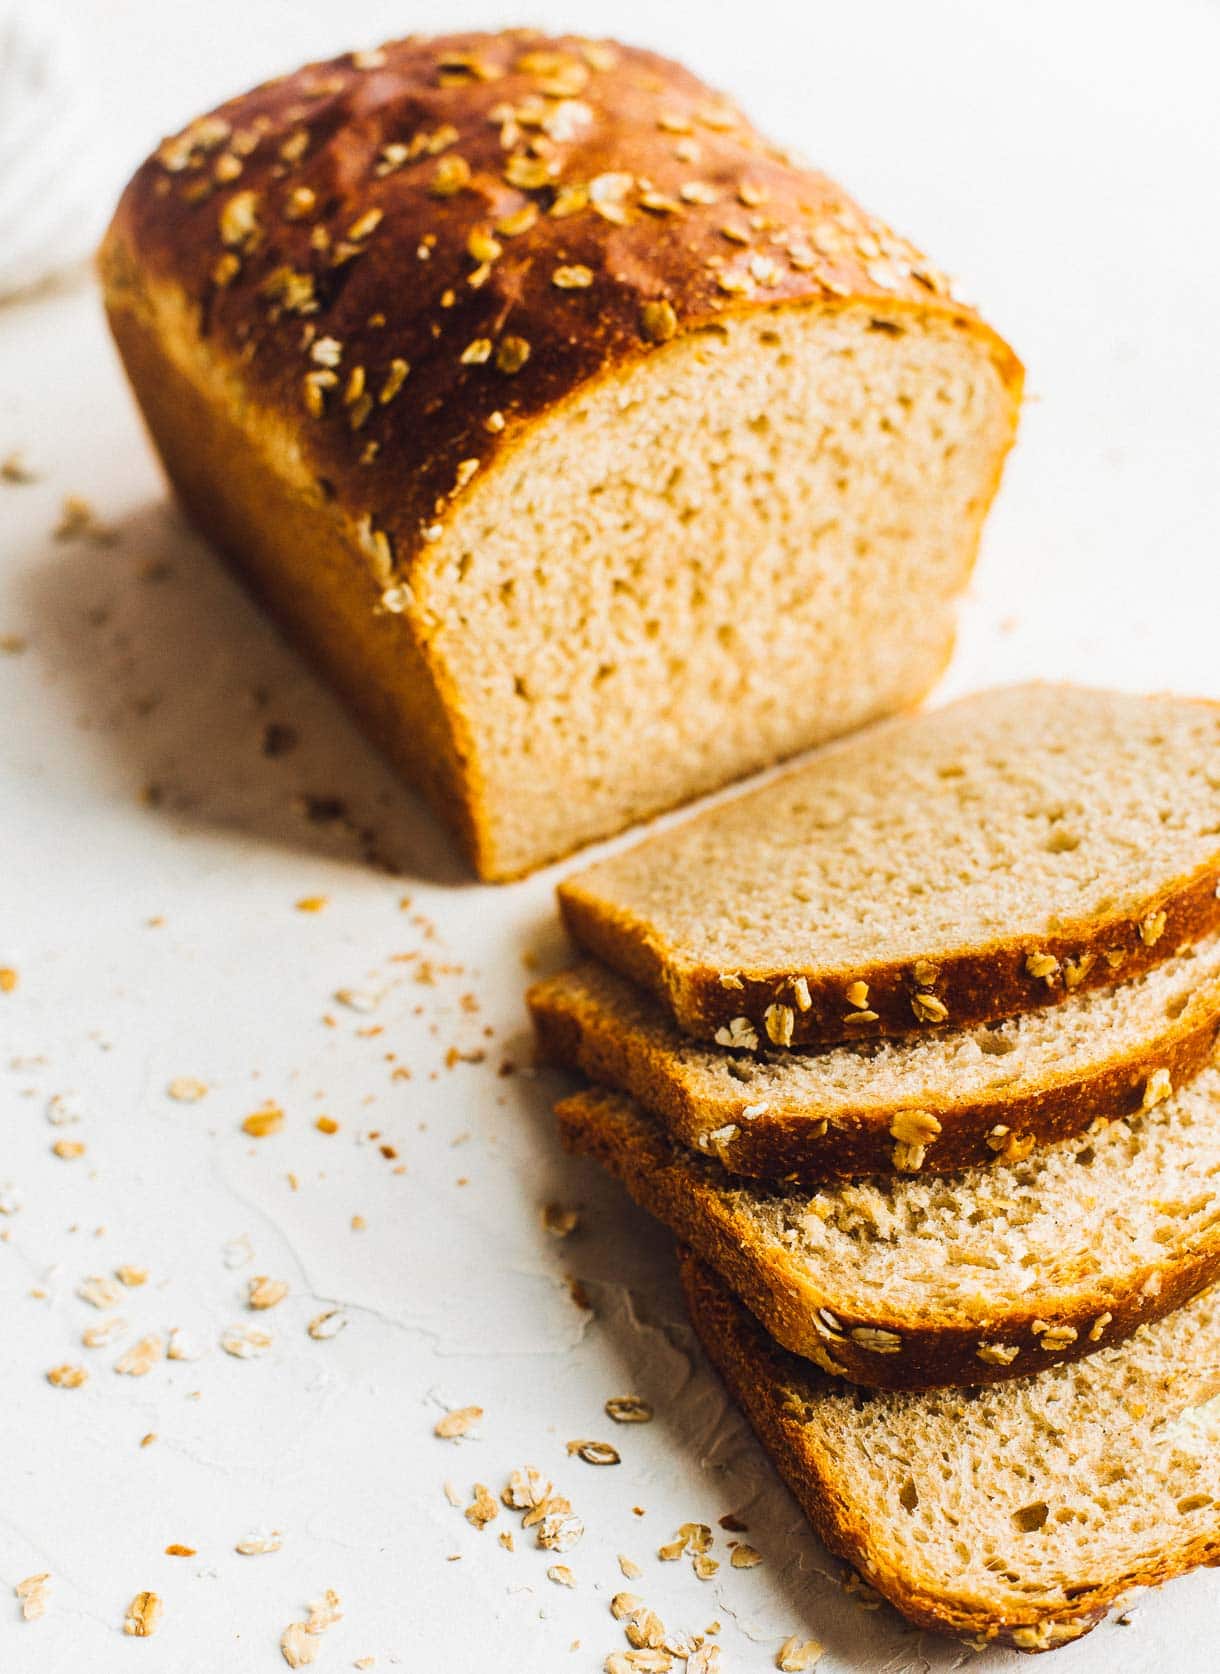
(913, 1048)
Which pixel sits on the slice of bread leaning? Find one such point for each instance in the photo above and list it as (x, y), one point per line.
(936, 871)
(1018, 1514)
(926, 1103)
(957, 1279)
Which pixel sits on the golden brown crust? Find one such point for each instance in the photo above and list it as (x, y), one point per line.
(758, 1375)
(789, 1300)
(973, 985)
(793, 1143)
(368, 201)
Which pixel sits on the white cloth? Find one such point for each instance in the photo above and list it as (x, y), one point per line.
(55, 187)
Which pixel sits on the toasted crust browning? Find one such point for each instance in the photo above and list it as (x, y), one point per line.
(988, 1337)
(352, 299)
(822, 1452)
(973, 974)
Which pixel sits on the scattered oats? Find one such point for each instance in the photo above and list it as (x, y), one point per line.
(68, 1149)
(745, 1557)
(1075, 970)
(180, 1346)
(914, 1127)
(595, 1452)
(358, 1223)
(322, 1327)
(645, 1629)
(79, 521)
(98, 1336)
(312, 903)
(176, 1550)
(65, 1108)
(246, 1342)
(298, 1646)
(34, 1595)
(99, 1290)
(143, 1616)
(527, 1489)
(795, 1655)
(658, 323)
(67, 1377)
(357, 999)
(451, 174)
(704, 1566)
(11, 1199)
(671, 1551)
(628, 1409)
(131, 1277)
(260, 1541)
(574, 278)
(483, 1509)
(326, 1124)
(560, 1529)
(778, 1021)
(878, 1341)
(14, 470)
(324, 1612)
(629, 1569)
(1053, 1337)
(997, 1354)
(623, 1605)
(8, 974)
(187, 1089)
(560, 1222)
(561, 1575)
(394, 380)
(511, 355)
(262, 1292)
(140, 1358)
(505, 1537)
(1157, 1088)
(928, 1009)
(457, 1423)
(261, 1123)
(1152, 928)
(738, 1032)
(1041, 965)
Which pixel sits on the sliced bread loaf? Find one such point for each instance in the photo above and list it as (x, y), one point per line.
(1019, 1514)
(970, 1278)
(942, 870)
(936, 1103)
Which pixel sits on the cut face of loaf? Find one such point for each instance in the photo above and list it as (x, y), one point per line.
(927, 1104)
(969, 1278)
(934, 872)
(1018, 1514)
(597, 452)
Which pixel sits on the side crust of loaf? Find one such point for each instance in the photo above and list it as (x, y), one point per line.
(796, 1309)
(974, 985)
(761, 1382)
(793, 1143)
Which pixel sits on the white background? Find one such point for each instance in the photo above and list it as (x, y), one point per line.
(1061, 158)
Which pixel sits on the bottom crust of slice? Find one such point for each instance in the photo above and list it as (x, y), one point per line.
(825, 1443)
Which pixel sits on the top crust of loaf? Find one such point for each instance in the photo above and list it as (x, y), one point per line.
(936, 871)
(463, 231)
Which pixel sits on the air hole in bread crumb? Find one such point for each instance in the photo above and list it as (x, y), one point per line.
(1030, 1518)
(908, 1495)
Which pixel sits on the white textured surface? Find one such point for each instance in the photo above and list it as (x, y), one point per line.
(1063, 160)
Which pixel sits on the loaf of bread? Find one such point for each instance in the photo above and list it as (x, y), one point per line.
(989, 1274)
(1018, 1514)
(925, 1103)
(596, 450)
(933, 872)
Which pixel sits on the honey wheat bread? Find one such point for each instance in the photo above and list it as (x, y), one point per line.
(1018, 1514)
(582, 437)
(988, 1274)
(930, 1104)
(935, 871)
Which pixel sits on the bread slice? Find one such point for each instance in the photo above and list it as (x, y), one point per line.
(1017, 1514)
(970, 1278)
(583, 459)
(927, 1103)
(940, 870)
